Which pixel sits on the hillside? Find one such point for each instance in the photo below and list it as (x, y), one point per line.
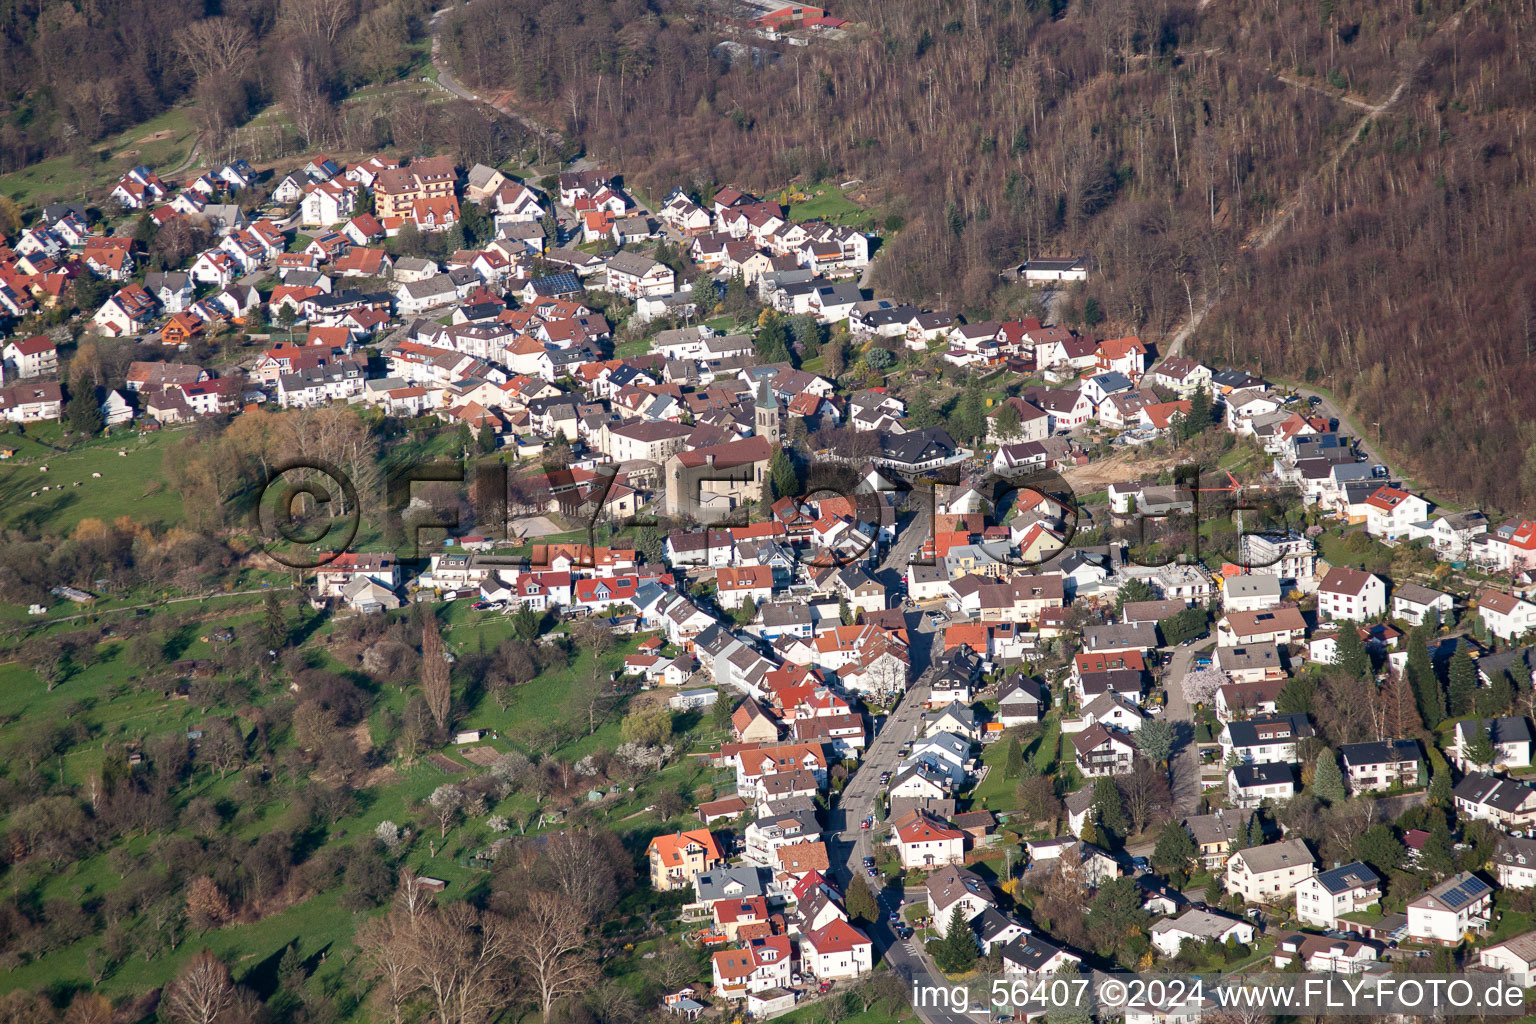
(1171, 141)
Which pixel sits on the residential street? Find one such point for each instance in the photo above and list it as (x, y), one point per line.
(858, 801)
(1186, 758)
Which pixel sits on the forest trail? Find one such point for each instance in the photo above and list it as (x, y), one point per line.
(449, 84)
(1265, 235)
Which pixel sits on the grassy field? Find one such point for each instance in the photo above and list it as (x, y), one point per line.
(161, 143)
(104, 700)
(132, 484)
(827, 202)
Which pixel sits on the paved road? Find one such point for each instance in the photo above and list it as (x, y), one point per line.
(1186, 759)
(856, 802)
(1327, 407)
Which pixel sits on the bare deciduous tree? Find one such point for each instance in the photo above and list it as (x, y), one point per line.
(550, 943)
(412, 898)
(386, 948)
(202, 993)
(462, 956)
(216, 48)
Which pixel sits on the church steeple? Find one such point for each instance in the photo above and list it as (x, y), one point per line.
(766, 413)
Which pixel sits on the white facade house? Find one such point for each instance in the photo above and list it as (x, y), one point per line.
(1450, 911)
(1250, 592)
(1343, 890)
(1351, 594)
(1514, 862)
(1416, 605)
(1505, 615)
(1515, 957)
(923, 842)
(1199, 926)
(1270, 873)
(836, 950)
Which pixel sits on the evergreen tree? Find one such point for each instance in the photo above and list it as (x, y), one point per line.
(1070, 974)
(1327, 779)
(526, 623)
(274, 627)
(862, 905)
(1109, 808)
(720, 713)
(1255, 836)
(1013, 766)
(1199, 415)
(1440, 788)
(1495, 699)
(844, 612)
(1379, 847)
(1353, 657)
(1463, 684)
(772, 341)
(781, 474)
(1155, 740)
(920, 411)
(1480, 745)
(487, 439)
(969, 420)
(465, 436)
(956, 951)
(1175, 852)
(1438, 856)
(1421, 678)
(1133, 590)
(84, 411)
(1296, 696)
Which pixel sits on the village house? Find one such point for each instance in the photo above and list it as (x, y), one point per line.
(1369, 767)
(677, 859)
(764, 964)
(1322, 954)
(1250, 592)
(1033, 955)
(1504, 802)
(1264, 739)
(1510, 737)
(835, 951)
(1323, 898)
(1514, 957)
(30, 357)
(1269, 874)
(1101, 751)
(1350, 594)
(1448, 913)
(1506, 616)
(1416, 605)
(1201, 927)
(397, 189)
(1237, 701)
(1514, 862)
(952, 887)
(1249, 785)
(923, 842)
(31, 402)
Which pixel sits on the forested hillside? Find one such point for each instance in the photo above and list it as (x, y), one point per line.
(72, 73)
(1163, 138)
